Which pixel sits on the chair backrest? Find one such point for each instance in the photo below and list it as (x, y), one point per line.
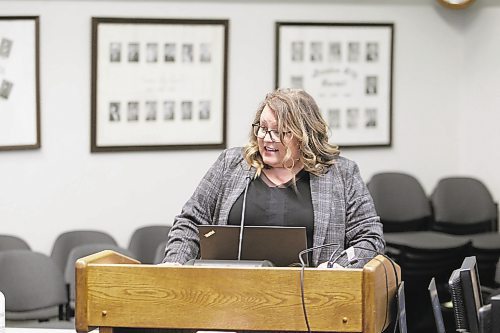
(463, 205)
(145, 240)
(400, 202)
(33, 285)
(83, 251)
(160, 252)
(9, 242)
(65, 242)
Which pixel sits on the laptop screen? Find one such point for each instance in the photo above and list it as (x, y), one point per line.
(280, 245)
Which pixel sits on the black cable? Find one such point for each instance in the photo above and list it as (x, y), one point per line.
(301, 253)
(358, 260)
(332, 261)
(387, 287)
(386, 283)
(386, 293)
(303, 299)
(386, 278)
(397, 288)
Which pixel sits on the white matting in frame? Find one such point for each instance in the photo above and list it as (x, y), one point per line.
(347, 68)
(158, 84)
(19, 83)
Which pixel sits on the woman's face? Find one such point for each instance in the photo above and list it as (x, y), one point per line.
(273, 152)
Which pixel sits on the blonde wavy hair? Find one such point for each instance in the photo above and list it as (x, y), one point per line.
(296, 112)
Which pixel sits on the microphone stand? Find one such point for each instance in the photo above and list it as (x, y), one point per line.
(242, 224)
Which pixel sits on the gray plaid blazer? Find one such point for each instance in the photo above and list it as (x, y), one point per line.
(344, 213)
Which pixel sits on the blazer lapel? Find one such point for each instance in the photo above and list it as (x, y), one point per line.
(236, 185)
(321, 196)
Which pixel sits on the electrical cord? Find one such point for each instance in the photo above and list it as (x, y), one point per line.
(386, 277)
(355, 260)
(302, 270)
(301, 253)
(331, 261)
(330, 264)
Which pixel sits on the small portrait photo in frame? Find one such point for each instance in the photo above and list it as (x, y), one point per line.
(115, 52)
(169, 110)
(169, 52)
(152, 52)
(133, 52)
(5, 47)
(114, 111)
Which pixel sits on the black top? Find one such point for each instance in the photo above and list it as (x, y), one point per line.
(277, 205)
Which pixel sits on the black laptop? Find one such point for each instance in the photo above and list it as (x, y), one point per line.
(279, 245)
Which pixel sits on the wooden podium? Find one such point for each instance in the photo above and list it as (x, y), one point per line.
(115, 291)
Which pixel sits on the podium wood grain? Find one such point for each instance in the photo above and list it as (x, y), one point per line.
(148, 296)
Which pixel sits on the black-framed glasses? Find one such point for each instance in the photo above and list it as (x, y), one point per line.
(262, 131)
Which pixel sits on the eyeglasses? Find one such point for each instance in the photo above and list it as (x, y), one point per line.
(261, 132)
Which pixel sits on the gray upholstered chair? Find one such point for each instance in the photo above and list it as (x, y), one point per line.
(10, 242)
(160, 252)
(145, 240)
(400, 202)
(65, 242)
(33, 286)
(406, 215)
(465, 206)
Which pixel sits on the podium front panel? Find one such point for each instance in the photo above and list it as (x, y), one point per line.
(223, 298)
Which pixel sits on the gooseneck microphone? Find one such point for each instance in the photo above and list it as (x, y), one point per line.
(242, 222)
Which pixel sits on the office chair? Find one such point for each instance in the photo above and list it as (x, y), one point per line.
(400, 202)
(464, 206)
(66, 241)
(406, 215)
(33, 285)
(9, 242)
(160, 252)
(144, 242)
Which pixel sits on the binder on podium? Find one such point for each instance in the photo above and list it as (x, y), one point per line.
(114, 291)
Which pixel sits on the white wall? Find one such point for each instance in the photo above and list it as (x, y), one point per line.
(63, 186)
(479, 125)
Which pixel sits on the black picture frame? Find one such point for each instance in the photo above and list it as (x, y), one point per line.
(347, 68)
(158, 84)
(19, 83)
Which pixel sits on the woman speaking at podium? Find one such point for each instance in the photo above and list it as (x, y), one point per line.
(292, 176)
